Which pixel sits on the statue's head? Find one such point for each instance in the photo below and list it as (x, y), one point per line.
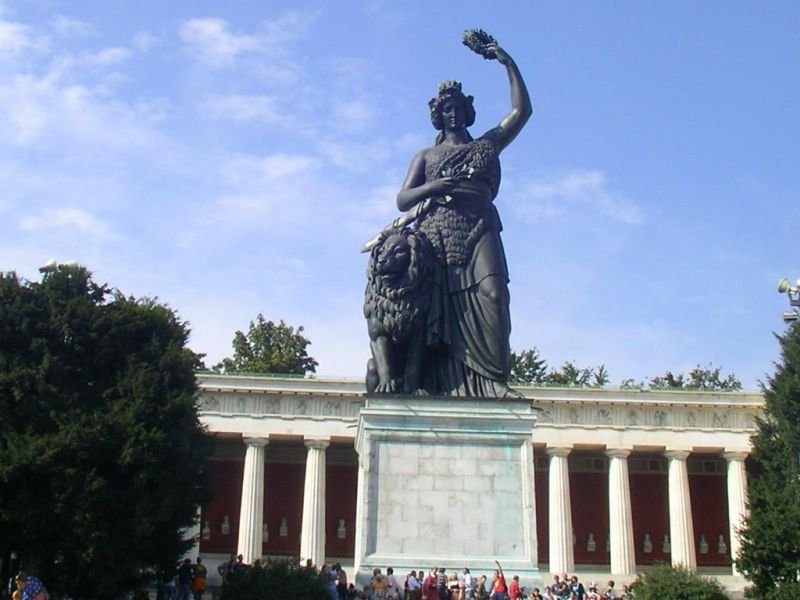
(449, 93)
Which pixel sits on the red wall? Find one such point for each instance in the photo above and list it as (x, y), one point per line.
(588, 493)
(650, 507)
(340, 503)
(226, 486)
(542, 513)
(283, 497)
(709, 494)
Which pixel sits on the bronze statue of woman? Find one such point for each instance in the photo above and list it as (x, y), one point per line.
(455, 181)
(437, 302)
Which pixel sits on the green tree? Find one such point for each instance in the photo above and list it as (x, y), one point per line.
(277, 578)
(600, 377)
(631, 384)
(269, 348)
(770, 551)
(707, 379)
(667, 381)
(527, 368)
(677, 583)
(573, 376)
(101, 451)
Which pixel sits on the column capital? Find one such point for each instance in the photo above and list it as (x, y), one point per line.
(618, 452)
(677, 454)
(558, 450)
(258, 442)
(317, 443)
(734, 455)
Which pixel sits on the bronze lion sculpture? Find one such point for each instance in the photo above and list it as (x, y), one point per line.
(396, 304)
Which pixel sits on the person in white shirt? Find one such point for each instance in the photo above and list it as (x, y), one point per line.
(413, 587)
(467, 584)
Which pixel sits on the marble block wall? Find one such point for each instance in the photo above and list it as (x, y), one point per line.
(447, 482)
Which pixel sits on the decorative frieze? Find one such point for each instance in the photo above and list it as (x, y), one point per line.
(566, 413)
(279, 405)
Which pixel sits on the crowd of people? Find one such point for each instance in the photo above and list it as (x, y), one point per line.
(188, 583)
(424, 584)
(437, 584)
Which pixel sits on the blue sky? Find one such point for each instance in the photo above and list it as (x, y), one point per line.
(231, 157)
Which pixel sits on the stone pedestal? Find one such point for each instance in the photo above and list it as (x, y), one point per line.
(446, 482)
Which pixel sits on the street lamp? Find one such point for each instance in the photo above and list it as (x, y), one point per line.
(793, 291)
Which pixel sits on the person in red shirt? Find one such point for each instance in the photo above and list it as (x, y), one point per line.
(429, 586)
(514, 593)
(499, 588)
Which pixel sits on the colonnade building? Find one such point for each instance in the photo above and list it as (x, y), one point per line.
(622, 479)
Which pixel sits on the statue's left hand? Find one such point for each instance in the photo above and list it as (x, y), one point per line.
(503, 57)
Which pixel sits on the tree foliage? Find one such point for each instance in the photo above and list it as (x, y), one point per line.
(677, 583)
(278, 578)
(527, 368)
(269, 348)
(705, 379)
(770, 552)
(101, 450)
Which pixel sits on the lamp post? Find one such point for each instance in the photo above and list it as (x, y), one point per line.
(790, 316)
(793, 292)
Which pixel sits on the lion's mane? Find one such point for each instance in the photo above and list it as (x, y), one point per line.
(399, 303)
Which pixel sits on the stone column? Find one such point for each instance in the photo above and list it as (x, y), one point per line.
(681, 528)
(193, 533)
(562, 553)
(737, 499)
(251, 515)
(620, 516)
(312, 536)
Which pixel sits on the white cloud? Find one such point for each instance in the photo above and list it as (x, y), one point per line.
(108, 56)
(73, 218)
(244, 108)
(212, 41)
(550, 198)
(353, 155)
(354, 114)
(289, 26)
(144, 40)
(68, 27)
(49, 112)
(16, 38)
(251, 171)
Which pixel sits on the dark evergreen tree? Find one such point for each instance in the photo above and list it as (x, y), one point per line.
(770, 552)
(269, 348)
(527, 368)
(101, 451)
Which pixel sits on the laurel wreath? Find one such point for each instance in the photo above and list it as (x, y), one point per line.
(478, 41)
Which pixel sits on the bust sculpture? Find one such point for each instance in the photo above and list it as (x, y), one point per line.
(437, 301)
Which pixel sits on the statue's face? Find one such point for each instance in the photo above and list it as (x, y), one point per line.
(454, 115)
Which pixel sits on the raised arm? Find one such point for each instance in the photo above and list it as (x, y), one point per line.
(521, 108)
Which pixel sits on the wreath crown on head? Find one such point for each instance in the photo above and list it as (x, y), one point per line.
(450, 90)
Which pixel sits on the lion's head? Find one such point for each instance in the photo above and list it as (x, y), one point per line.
(398, 279)
(398, 262)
